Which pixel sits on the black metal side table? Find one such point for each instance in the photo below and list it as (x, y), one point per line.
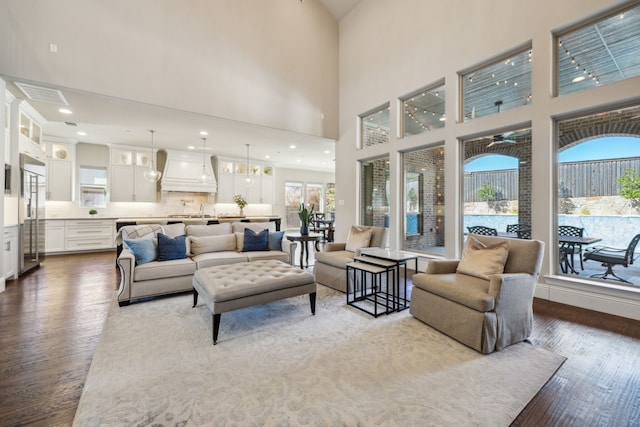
(304, 240)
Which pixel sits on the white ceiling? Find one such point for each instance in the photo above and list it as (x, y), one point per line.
(115, 121)
(339, 8)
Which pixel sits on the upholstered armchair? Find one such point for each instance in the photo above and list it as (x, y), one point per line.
(484, 300)
(330, 267)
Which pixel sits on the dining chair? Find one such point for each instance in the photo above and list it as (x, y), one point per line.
(570, 249)
(513, 228)
(524, 233)
(481, 229)
(609, 257)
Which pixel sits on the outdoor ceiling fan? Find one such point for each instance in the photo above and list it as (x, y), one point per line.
(502, 139)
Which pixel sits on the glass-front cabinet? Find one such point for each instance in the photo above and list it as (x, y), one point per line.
(30, 131)
(127, 176)
(254, 180)
(59, 162)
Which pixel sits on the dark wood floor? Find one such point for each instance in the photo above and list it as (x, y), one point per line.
(51, 320)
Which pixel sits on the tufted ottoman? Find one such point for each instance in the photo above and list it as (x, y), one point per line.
(233, 286)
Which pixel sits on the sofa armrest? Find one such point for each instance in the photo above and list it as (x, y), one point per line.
(512, 289)
(289, 247)
(513, 306)
(334, 246)
(442, 266)
(126, 263)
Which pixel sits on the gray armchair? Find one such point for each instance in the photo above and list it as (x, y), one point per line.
(330, 267)
(486, 314)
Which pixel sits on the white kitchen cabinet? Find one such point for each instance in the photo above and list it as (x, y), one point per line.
(30, 131)
(54, 235)
(59, 171)
(89, 235)
(122, 183)
(232, 180)
(10, 252)
(59, 180)
(127, 177)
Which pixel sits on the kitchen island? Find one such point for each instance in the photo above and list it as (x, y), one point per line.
(191, 220)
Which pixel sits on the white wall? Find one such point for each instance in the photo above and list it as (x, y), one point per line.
(389, 49)
(271, 63)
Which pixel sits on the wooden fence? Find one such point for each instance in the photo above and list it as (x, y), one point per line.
(576, 179)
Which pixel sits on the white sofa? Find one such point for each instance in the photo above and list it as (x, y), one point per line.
(206, 246)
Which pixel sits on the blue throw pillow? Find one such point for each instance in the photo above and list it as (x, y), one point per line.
(145, 250)
(169, 248)
(255, 241)
(275, 240)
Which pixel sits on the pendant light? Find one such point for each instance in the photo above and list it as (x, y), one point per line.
(151, 174)
(248, 179)
(205, 177)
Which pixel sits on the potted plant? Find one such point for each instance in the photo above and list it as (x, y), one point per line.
(241, 202)
(93, 212)
(306, 217)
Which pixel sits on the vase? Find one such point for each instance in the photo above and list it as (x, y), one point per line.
(304, 230)
(241, 212)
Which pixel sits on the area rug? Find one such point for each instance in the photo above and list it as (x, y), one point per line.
(277, 365)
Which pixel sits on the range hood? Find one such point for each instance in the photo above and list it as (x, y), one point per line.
(182, 172)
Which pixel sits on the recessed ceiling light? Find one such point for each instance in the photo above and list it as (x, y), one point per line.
(204, 133)
(327, 152)
(577, 79)
(81, 133)
(191, 147)
(292, 146)
(267, 156)
(65, 111)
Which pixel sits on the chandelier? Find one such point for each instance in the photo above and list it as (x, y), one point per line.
(151, 174)
(248, 179)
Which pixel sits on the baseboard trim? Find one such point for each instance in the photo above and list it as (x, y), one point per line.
(616, 301)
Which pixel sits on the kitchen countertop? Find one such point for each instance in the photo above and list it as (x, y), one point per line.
(195, 218)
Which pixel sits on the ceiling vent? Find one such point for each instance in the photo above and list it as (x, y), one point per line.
(70, 124)
(44, 94)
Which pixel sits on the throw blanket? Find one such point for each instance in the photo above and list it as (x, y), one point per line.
(136, 231)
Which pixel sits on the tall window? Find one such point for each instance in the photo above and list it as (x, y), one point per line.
(374, 127)
(424, 200)
(93, 187)
(330, 198)
(497, 180)
(599, 53)
(292, 200)
(423, 111)
(497, 86)
(375, 192)
(599, 185)
(314, 197)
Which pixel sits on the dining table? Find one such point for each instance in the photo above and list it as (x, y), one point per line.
(568, 245)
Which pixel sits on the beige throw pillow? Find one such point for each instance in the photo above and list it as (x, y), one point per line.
(480, 260)
(358, 238)
(204, 244)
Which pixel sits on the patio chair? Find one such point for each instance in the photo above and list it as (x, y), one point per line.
(609, 257)
(524, 233)
(570, 250)
(514, 228)
(481, 229)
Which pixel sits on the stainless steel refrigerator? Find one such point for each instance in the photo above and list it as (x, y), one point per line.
(31, 212)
